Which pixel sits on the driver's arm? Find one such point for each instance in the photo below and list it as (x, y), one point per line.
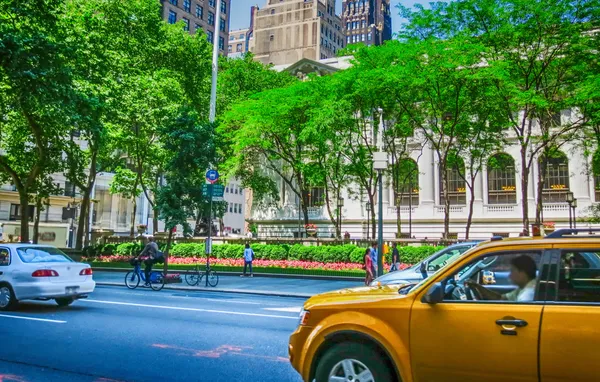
(484, 292)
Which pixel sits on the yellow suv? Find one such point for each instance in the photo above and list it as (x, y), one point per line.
(506, 310)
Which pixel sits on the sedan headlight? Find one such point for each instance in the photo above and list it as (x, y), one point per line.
(304, 316)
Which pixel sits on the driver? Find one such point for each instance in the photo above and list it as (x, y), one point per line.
(522, 274)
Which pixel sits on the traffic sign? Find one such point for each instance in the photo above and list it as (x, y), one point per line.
(217, 191)
(212, 176)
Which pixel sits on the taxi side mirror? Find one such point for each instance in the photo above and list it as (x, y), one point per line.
(435, 294)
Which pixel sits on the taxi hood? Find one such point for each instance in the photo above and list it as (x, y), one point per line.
(358, 294)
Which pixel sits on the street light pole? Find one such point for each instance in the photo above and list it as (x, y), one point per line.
(368, 219)
(410, 209)
(570, 199)
(340, 205)
(380, 162)
(215, 65)
(574, 213)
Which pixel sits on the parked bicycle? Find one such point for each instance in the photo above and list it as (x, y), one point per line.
(133, 278)
(194, 276)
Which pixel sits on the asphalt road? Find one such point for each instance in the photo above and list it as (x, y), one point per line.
(141, 335)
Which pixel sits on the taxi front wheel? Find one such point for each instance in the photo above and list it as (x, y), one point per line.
(350, 361)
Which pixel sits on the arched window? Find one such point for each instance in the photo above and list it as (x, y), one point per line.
(405, 179)
(457, 190)
(502, 182)
(556, 183)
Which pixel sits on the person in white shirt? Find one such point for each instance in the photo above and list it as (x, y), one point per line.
(522, 273)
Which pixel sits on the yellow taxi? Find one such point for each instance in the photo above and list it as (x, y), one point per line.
(507, 310)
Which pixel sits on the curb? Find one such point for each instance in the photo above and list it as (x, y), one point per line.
(268, 275)
(236, 291)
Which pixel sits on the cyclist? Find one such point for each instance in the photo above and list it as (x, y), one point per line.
(154, 256)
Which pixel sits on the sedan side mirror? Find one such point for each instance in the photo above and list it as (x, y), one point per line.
(435, 294)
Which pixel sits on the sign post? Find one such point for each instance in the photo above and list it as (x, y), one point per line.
(212, 176)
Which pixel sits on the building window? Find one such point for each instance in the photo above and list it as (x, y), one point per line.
(210, 36)
(197, 27)
(502, 182)
(221, 43)
(230, 207)
(186, 24)
(15, 212)
(369, 36)
(199, 12)
(229, 49)
(69, 189)
(271, 37)
(556, 184)
(223, 7)
(222, 25)
(316, 197)
(457, 191)
(172, 17)
(211, 18)
(187, 5)
(405, 175)
(238, 48)
(211, 3)
(174, 2)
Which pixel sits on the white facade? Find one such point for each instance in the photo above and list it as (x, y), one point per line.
(234, 220)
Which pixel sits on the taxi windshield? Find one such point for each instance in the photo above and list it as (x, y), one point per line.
(448, 262)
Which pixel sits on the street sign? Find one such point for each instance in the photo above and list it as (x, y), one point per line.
(217, 191)
(208, 245)
(212, 176)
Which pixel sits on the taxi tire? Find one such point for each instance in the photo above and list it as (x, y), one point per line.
(12, 305)
(369, 356)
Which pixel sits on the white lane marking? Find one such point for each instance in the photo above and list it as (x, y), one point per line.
(293, 309)
(229, 301)
(189, 309)
(34, 319)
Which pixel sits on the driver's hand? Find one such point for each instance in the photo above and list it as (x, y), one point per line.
(472, 284)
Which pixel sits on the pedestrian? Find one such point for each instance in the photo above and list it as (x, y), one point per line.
(248, 258)
(249, 235)
(395, 258)
(374, 257)
(368, 267)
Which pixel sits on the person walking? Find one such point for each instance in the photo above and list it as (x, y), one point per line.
(374, 257)
(248, 258)
(395, 258)
(368, 267)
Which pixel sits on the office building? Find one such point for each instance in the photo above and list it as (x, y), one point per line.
(367, 21)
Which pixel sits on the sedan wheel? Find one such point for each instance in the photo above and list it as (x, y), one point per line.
(7, 298)
(350, 370)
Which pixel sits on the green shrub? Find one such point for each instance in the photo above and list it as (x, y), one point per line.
(233, 251)
(187, 250)
(412, 255)
(128, 249)
(357, 255)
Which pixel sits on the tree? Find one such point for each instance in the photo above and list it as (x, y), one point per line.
(36, 90)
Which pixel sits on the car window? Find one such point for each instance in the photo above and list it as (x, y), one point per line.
(491, 278)
(579, 277)
(4, 257)
(42, 255)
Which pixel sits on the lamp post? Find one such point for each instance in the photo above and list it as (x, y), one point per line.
(368, 219)
(574, 207)
(570, 199)
(340, 205)
(380, 163)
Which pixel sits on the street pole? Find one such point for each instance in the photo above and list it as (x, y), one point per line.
(209, 241)
(380, 228)
(410, 209)
(215, 65)
(570, 216)
(574, 213)
(299, 220)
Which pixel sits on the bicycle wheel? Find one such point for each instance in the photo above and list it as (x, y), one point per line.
(158, 281)
(193, 277)
(132, 280)
(213, 278)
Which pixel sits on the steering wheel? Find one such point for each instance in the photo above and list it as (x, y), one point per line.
(473, 294)
(459, 293)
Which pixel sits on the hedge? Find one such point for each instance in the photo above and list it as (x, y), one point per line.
(326, 254)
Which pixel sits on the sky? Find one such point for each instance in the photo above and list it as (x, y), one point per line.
(240, 11)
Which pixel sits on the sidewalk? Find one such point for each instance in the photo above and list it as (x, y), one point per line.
(283, 287)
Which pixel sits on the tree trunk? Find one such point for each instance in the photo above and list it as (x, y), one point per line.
(24, 204)
(540, 190)
(373, 218)
(471, 205)
(36, 223)
(397, 200)
(169, 240)
(83, 221)
(155, 221)
(334, 219)
(446, 202)
(524, 190)
(197, 225)
(132, 230)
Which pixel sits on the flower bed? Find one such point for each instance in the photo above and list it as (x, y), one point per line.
(234, 265)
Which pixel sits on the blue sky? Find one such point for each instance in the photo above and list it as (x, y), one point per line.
(240, 11)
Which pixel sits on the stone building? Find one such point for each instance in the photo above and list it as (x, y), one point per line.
(367, 21)
(199, 14)
(286, 31)
(239, 41)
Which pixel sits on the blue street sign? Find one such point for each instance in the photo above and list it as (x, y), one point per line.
(212, 176)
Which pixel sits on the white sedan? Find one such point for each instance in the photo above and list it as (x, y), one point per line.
(39, 272)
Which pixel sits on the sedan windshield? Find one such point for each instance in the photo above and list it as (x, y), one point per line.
(42, 255)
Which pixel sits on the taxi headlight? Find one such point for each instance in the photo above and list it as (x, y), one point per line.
(304, 316)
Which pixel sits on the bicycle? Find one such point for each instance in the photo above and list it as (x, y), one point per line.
(133, 278)
(194, 276)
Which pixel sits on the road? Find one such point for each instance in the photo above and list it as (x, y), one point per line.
(141, 335)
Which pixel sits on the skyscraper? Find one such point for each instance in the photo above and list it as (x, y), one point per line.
(367, 21)
(199, 14)
(286, 31)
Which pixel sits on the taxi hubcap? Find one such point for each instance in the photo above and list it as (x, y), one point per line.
(4, 297)
(350, 370)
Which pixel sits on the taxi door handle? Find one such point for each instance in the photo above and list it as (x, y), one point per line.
(516, 322)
